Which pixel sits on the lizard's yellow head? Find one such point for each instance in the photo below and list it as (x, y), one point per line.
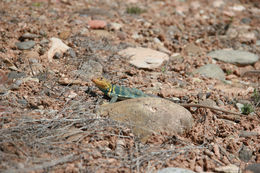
(102, 83)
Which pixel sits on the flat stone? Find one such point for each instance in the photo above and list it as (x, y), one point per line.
(144, 57)
(174, 170)
(211, 70)
(28, 36)
(149, 115)
(234, 56)
(25, 45)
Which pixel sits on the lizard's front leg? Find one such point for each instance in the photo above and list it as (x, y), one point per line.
(113, 97)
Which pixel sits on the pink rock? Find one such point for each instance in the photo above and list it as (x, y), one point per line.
(97, 24)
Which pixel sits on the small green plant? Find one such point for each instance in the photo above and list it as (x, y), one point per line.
(36, 4)
(134, 10)
(247, 109)
(256, 96)
(163, 69)
(229, 72)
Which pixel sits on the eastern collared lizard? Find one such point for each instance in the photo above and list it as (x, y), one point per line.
(116, 92)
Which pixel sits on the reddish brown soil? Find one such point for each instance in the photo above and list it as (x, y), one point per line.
(47, 111)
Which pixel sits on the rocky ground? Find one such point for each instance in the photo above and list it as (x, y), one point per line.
(52, 116)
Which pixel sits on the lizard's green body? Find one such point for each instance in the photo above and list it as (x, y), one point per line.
(116, 92)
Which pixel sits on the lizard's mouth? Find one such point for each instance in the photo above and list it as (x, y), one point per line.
(97, 81)
(94, 80)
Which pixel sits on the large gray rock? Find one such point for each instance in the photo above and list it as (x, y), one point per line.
(149, 115)
(234, 56)
(211, 70)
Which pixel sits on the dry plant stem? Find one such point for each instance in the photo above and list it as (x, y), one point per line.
(209, 107)
(251, 71)
(234, 118)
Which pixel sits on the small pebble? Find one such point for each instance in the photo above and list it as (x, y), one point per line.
(239, 106)
(28, 36)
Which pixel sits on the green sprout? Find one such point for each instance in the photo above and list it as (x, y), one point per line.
(163, 69)
(229, 72)
(36, 4)
(256, 96)
(247, 109)
(134, 10)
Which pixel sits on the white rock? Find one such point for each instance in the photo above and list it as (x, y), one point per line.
(157, 41)
(247, 37)
(238, 8)
(115, 26)
(239, 106)
(218, 3)
(144, 57)
(56, 46)
(136, 36)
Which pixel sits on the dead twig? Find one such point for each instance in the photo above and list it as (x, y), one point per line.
(251, 71)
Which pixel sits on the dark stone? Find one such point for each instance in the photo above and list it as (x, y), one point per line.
(246, 20)
(71, 53)
(25, 45)
(245, 154)
(15, 75)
